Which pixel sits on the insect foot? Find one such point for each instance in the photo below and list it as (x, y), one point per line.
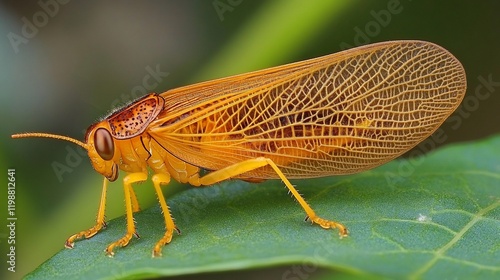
(122, 242)
(164, 240)
(326, 224)
(70, 242)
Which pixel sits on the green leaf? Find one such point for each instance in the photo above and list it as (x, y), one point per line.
(435, 217)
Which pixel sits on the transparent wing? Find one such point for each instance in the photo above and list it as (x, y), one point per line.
(338, 114)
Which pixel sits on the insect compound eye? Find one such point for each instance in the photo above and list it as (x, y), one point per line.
(103, 142)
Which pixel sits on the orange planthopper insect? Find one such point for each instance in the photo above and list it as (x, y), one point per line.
(338, 114)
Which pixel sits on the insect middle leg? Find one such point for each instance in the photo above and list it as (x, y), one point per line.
(127, 187)
(158, 180)
(252, 164)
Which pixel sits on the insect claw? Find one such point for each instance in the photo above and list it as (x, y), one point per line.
(177, 230)
(137, 235)
(69, 245)
(156, 254)
(308, 219)
(344, 233)
(109, 253)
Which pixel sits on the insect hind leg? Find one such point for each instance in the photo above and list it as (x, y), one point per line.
(252, 164)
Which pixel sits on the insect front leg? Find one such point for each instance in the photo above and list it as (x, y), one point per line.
(100, 223)
(158, 180)
(127, 187)
(252, 164)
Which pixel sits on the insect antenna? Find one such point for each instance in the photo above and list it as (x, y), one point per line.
(48, 135)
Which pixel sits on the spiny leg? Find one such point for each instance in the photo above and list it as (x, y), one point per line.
(100, 223)
(251, 164)
(135, 202)
(158, 180)
(127, 186)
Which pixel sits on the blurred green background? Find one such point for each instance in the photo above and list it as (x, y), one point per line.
(66, 64)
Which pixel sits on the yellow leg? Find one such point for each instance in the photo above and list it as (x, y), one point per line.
(158, 180)
(135, 202)
(127, 186)
(251, 164)
(100, 223)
